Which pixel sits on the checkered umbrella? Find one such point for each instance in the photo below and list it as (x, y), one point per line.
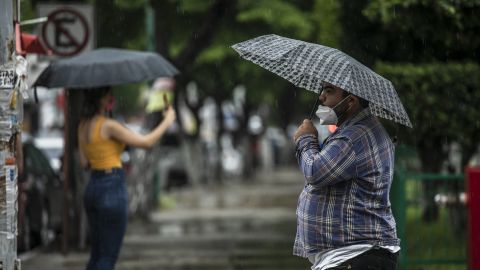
(307, 65)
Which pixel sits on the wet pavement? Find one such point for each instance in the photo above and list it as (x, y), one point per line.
(239, 225)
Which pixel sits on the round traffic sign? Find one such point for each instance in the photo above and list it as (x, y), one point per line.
(66, 32)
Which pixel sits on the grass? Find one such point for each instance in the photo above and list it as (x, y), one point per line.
(437, 245)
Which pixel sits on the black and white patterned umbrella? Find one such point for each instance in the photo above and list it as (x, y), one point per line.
(308, 65)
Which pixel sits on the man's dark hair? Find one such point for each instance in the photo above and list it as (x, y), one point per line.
(363, 102)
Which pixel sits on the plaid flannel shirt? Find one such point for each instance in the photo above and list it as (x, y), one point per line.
(345, 200)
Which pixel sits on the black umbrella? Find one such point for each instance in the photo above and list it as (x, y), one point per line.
(105, 67)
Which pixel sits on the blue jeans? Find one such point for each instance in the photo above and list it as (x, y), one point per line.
(105, 202)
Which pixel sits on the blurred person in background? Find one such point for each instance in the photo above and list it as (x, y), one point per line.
(101, 141)
(344, 216)
(156, 102)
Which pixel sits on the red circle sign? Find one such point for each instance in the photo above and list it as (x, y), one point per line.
(66, 32)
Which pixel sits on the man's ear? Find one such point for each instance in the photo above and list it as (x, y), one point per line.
(353, 101)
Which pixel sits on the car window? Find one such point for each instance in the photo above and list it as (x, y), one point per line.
(36, 161)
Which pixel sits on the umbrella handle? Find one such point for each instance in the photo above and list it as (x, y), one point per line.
(312, 113)
(316, 104)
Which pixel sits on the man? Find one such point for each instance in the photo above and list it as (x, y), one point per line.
(344, 219)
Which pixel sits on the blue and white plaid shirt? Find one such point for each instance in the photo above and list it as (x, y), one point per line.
(345, 200)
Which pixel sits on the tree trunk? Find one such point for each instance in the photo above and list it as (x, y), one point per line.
(161, 10)
(201, 38)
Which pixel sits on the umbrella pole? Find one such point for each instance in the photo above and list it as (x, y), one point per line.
(314, 107)
(316, 104)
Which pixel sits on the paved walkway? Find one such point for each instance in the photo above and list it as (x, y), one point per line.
(240, 225)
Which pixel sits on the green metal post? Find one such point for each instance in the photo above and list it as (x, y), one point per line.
(149, 27)
(398, 200)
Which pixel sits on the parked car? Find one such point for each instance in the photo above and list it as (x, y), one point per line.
(52, 147)
(39, 204)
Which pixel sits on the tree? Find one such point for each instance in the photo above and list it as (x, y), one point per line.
(432, 62)
(441, 46)
(196, 36)
(215, 26)
(441, 100)
(447, 33)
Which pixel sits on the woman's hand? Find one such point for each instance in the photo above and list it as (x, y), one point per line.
(169, 116)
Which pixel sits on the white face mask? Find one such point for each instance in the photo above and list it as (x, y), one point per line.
(327, 115)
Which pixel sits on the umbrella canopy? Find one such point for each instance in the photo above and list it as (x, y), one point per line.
(105, 67)
(308, 65)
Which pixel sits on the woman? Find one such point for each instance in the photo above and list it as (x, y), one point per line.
(101, 141)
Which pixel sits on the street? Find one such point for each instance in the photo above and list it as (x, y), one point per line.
(239, 225)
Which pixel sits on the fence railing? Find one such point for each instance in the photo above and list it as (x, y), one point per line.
(431, 220)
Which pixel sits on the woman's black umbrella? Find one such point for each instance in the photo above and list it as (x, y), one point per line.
(105, 67)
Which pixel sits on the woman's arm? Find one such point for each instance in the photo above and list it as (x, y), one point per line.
(115, 130)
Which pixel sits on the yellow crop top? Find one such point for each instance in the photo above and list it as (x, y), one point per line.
(102, 153)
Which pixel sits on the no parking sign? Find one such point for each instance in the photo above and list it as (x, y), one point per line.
(69, 29)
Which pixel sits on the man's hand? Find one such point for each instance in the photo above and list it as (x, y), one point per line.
(305, 128)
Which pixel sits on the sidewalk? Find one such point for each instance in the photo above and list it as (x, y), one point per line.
(239, 225)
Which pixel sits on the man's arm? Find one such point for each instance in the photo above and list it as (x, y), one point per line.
(334, 163)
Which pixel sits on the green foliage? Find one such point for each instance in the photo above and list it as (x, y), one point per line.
(128, 98)
(220, 48)
(325, 15)
(362, 38)
(429, 35)
(448, 32)
(280, 16)
(119, 25)
(441, 100)
(434, 241)
(386, 9)
(217, 68)
(26, 10)
(193, 6)
(129, 4)
(138, 43)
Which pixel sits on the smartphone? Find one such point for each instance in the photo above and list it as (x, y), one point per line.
(165, 101)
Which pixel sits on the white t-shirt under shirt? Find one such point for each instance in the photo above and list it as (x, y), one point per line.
(334, 257)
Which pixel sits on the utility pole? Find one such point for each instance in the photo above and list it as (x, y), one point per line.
(10, 120)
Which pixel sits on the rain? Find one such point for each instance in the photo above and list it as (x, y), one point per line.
(229, 134)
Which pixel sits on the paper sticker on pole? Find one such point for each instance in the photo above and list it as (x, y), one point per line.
(7, 77)
(68, 30)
